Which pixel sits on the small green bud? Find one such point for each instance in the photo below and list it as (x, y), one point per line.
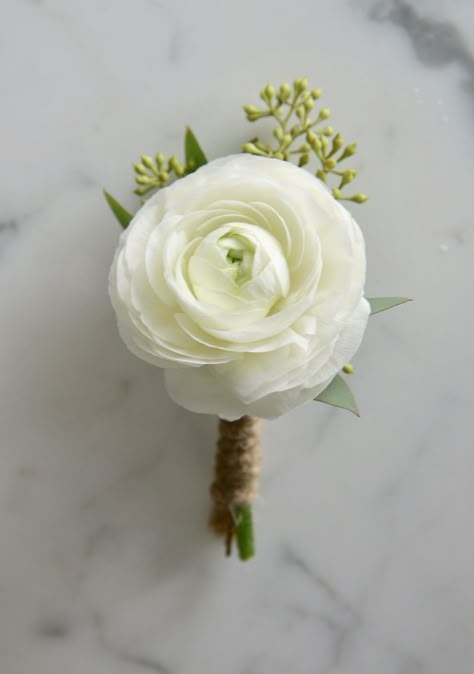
(328, 131)
(251, 148)
(329, 164)
(305, 148)
(279, 155)
(254, 113)
(324, 143)
(160, 159)
(284, 92)
(267, 94)
(321, 175)
(337, 194)
(270, 91)
(349, 150)
(304, 159)
(359, 198)
(163, 176)
(314, 141)
(145, 180)
(249, 109)
(308, 104)
(148, 162)
(278, 133)
(174, 165)
(324, 113)
(300, 112)
(300, 84)
(337, 142)
(348, 369)
(141, 190)
(316, 93)
(139, 168)
(295, 130)
(347, 177)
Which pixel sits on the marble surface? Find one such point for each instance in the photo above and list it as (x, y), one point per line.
(365, 549)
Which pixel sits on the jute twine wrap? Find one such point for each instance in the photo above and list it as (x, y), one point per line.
(236, 472)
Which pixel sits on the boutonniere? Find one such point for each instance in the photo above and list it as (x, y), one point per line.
(243, 278)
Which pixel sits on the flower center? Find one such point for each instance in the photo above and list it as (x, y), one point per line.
(240, 253)
(239, 268)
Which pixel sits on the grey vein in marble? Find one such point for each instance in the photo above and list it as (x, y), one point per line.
(436, 43)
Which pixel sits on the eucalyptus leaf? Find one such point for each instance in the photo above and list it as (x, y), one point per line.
(378, 304)
(121, 213)
(338, 394)
(195, 157)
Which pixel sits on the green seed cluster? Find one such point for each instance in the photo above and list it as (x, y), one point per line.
(151, 174)
(296, 134)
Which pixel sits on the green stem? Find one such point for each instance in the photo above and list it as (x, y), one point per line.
(244, 532)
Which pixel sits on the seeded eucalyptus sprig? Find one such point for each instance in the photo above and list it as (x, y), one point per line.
(153, 173)
(150, 174)
(296, 134)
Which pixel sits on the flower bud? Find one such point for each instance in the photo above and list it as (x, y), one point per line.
(337, 142)
(324, 113)
(308, 104)
(314, 141)
(284, 92)
(174, 165)
(300, 112)
(160, 159)
(139, 168)
(278, 133)
(148, 162)
(300, 84)
(349, 150)
(328, 131)
(141, 191)
(145, 180)
(359, 198)
(252, 149)
(304, 159)
(250, 109)
(347, 177)
(316, 93)
(348, 369)
(329, 164)
(269, 91)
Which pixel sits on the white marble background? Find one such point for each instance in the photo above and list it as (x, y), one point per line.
(365, 558)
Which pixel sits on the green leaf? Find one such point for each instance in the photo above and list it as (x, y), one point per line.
(339, 394)
(195, 157)
(121, 213)
(378, 304)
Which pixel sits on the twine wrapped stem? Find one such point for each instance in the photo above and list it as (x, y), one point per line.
(235, 485)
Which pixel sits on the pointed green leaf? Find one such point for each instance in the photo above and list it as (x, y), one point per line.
(121, 213)
(378, 304)
(339, 394)
(195, 157)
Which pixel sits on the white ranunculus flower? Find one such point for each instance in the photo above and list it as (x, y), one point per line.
(245, 282)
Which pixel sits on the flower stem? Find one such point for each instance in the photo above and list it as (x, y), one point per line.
(244, 532)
